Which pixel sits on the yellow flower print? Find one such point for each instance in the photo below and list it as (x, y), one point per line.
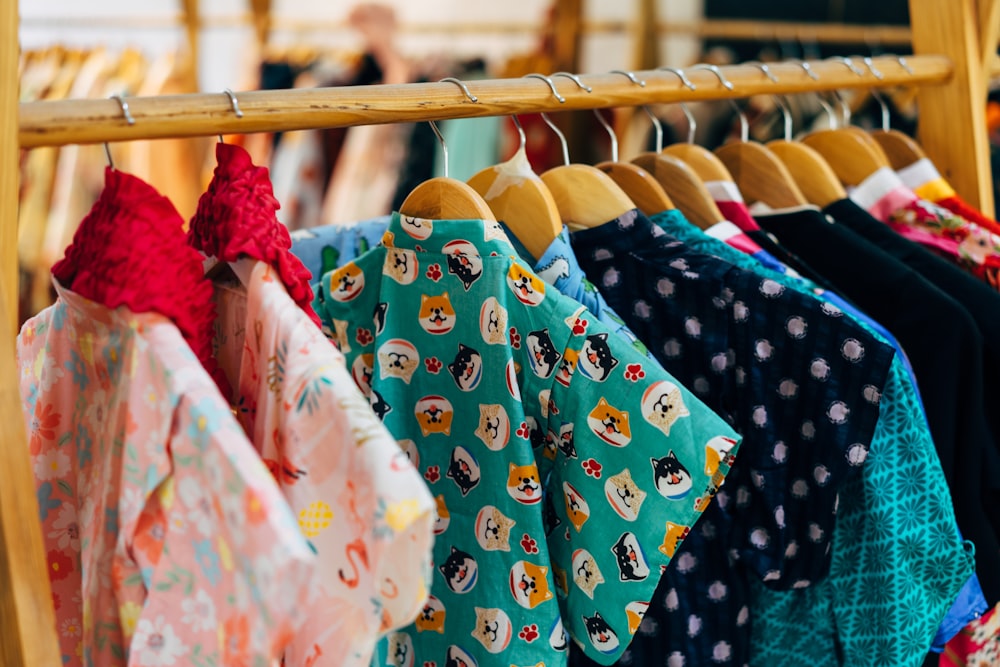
(86, 345)
(315, 519)
(166, 492)
(128, 616)
(402, 514)
(39, 364)
(225, 555)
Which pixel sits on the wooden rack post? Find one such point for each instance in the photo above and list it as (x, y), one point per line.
(27, 620)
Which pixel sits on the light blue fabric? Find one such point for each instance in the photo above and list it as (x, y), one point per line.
(473, 145)
(325, 248)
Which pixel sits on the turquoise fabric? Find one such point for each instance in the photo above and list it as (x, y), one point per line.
(566, 467)
(473, 145)
(898, 561)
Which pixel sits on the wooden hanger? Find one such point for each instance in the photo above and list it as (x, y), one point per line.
(637, 183)
(899, 149)
(521, 200)
(701, 160)
(445, 198)
(687, 191)
(758, 173)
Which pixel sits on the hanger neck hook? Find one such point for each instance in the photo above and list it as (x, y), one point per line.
(551, 84)
(437, 131)
(786, 115)
(848, 63)
(845, 108)
(765, 70)
(806, 67)
(744, 123)
(630, 75)
(520, 132)
(831, 115)
(680, 74)
(575, 78)
(235, 104)
(597, 113)
(129, 120)
(657, 125)
(714, 69)
(885, 109)
(692, 123)
(870, 64)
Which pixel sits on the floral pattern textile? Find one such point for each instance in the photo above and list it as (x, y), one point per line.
(774, 362)
(977, 645)
(168, 541)
(566, 468)
(361, 504)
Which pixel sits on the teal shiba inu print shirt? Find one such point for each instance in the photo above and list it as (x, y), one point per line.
(566, 467)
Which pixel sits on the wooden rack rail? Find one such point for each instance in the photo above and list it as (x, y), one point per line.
(95, 121)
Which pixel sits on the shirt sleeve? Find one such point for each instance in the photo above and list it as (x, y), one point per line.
(636, 460)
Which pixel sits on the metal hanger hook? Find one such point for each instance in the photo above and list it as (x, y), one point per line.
(657, 125)
(806, 67)
(681, 75)
(460, 84)
(870, 64)
(444, 146)
(744, 123)
(630, 75)
(611, 134)
(764, 69)
(714, 69)
(786, 115)
(235, 104)
(520, 132)
(120, 98)
(692, 123)
(845, 108)
(575, 78)
(551, 84)
(885, 108)
(848, 63)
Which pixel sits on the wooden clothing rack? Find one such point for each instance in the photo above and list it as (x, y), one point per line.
(949, 67)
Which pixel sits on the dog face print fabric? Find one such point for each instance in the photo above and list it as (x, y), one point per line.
(560, 458)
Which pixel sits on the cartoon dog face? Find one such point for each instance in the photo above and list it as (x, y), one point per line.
(443, 519)
(361, 371)
(523, 485)
(635, 611)
(567, 367)
(513, 386)
(600, 633)
(542, 355)
(431, 617)
(464, 470)
(418, 228)
(346, 283)
(493, 629)
(494, 426)
(624, 495)
(631, 561)
(596, 361)
(610, 424)
(673, 537)
(400, 653)
(717, 451)
(493, 322)
(577, 508)
(464, 262)
(671, 478)
(398, 358)
(493, 529)
(459, 657)
(412, 453)
(529, 584)
(401, 265)
(434, 414)
(436, 314)
(662, 405)
(586, 575)
(467, 368)
(527, 287)
(460, 571)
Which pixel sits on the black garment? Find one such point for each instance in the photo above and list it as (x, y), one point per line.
(797, 379)
(945, 348)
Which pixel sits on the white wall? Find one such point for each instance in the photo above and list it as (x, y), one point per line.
(226, 58)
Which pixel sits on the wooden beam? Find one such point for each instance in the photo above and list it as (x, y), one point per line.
(952, 122)
(27, 620)
(96, 121)
(989, 31)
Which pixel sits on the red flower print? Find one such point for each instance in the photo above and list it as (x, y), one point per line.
(515, 339)
(433, 474)
(529, 633)
(237, 634)
(634, 372)
(529, 545)
(255, 509)
(43, 423)
(434, 272)
(60, 565)
(523, 431)
(433, 364)
(592, 468)
(364, 336)
(580, 326)
(150, 532)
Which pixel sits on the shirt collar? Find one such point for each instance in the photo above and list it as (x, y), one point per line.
(882, 193)
(923, 174)
(629, 231)
(558, 265)
(471, 237)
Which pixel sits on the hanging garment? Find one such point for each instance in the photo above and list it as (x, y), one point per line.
(559, 267)
(566, 467)
(742, 342)
(327, 247)
(978, 645)
(927, 183)
(167, 540)
(928, 323)
(779, 618)
(363, 506)
(970, 246)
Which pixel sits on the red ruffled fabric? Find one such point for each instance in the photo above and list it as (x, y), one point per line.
(236, 218)
(131, 251)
